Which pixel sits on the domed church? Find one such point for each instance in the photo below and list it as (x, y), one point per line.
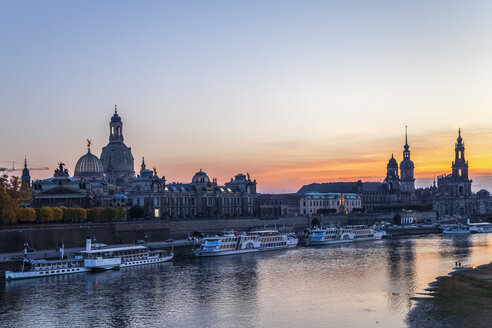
(116, 157)
(89, 166)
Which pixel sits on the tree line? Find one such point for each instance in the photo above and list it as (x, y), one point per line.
(14, 195)
(68, 214)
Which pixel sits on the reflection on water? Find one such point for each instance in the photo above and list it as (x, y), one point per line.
(368, 284)
(401, 264)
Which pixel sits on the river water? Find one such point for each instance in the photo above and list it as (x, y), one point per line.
(368, 284)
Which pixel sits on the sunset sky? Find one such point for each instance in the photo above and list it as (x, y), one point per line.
(292, 92)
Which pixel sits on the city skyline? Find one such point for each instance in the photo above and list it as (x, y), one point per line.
(293, 94)
(303, 175)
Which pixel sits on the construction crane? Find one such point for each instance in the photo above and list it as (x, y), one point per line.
(14, 169)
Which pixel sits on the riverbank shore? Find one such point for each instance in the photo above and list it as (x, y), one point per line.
(461, 299)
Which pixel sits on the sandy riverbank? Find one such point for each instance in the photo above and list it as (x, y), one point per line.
(462, 299)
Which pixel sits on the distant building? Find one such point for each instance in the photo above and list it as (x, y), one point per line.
(200, 198)
(62, 190)
(26, 177)
(395, 188)
(454, 195)
(326, 203)
(373, 194)
(276, 205)
(407, 180)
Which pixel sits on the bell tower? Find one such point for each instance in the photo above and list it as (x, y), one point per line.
(462, 184)
(407, 181)
(26, 177)
(460, 166)
(116, 127)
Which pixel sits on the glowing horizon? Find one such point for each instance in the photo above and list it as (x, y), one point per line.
(292, 92)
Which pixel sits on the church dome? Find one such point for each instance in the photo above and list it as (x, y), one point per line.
(406, 164)
(89, 166)
(392, 163)
(200, 177)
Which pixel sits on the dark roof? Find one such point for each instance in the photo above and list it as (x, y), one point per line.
(280, 196)
(342, 187)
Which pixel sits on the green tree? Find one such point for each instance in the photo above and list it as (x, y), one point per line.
(25, 214)
(95, 213)
(110, 213)
(68, 214)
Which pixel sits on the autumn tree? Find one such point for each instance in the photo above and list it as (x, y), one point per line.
(7, 208)
(57, 214)
(17, 190)
(45, 214)
(110, 213)
(25, 214)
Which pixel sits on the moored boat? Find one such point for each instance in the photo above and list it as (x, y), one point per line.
(91, 259)
(484, 227)
(337, 235)
(229, 243)
(456, 230)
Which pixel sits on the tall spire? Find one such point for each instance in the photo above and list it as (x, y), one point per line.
(115, 110)
(143, 164)
(406, 135)
(25, 162)
(460, 140)
(406, 143)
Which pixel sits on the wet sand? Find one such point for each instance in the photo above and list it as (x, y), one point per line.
(462, 299)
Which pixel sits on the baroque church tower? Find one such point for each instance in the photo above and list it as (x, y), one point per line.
(116, 157)
(459, 175)
(407, 181)
(26, 177)
(392, 181)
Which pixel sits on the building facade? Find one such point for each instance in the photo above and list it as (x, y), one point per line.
(200, 198)
(276, 205)
(329, 203)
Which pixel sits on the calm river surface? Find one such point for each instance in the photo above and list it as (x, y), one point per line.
(367, 284)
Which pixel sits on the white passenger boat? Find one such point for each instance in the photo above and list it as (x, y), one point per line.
(337, 235)
(484, 227)
(91, 259)
(247, 242)
(42, 268)
(456, 230)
